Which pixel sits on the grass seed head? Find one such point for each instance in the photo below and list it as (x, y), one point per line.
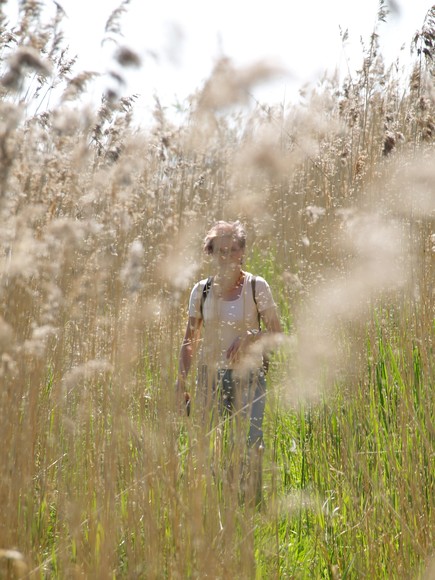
(228, 85)
(24, 58)
(127, 57)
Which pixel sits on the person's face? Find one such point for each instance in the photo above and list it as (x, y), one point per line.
(227, 252)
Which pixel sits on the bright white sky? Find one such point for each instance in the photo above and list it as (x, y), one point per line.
(186, 38)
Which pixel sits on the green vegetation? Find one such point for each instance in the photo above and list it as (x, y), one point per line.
(101, 228)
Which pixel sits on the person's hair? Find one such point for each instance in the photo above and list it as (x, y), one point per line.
(234, 229)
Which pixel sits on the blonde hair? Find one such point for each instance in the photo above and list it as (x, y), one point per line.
(234, 229)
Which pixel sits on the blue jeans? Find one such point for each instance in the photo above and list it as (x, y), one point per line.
(243, 396)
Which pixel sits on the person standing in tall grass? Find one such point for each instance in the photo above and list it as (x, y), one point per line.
(227, 312)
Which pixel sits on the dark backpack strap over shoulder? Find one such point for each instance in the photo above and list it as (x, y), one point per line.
(253, 283)
(205, 291)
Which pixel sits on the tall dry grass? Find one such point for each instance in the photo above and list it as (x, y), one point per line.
(100, 238)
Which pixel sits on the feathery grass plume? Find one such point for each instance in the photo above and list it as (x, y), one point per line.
(423, 42)
(393, 7)
(113, 27)
(377, 264)
(127, 57)
(37, 345)
(13, 562)
(21, 263)
(29, 18)
(89, 370)
(267, 154)
(25, 58)
(10, 116)
(228, 86)
(183, 257)
(413, 193)
(77, 85)
(248, 204)
(132, 272)
(68, 122)
(6, 336)
(113, 120)
(58, 39)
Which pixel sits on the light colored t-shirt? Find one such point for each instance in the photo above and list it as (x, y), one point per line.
(225, 320)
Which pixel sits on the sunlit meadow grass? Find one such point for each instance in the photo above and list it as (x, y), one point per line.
(101, 228)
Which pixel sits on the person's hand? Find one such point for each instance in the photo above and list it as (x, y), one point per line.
(187, 401)
(241, 344)
(183, 403)
(183, 398)
(233, 353)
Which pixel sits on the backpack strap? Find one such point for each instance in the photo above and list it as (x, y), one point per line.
(205, 291)
(253, 283)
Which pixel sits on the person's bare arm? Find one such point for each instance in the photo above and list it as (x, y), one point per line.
(271, 320)
(243, 343)
(188, 350)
